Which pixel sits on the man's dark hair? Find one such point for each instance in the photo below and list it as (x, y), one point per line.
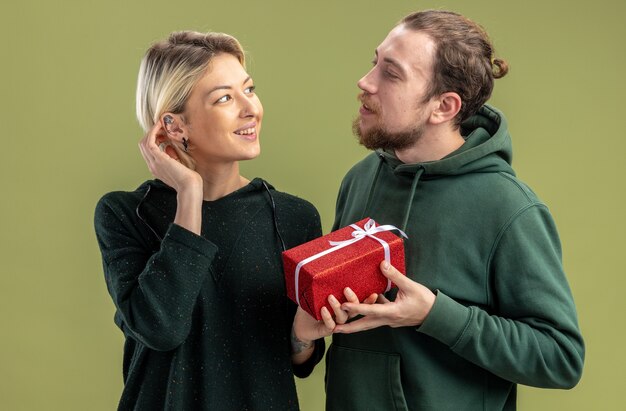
(464, 60)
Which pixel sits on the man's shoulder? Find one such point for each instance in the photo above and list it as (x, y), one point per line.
(514, 190)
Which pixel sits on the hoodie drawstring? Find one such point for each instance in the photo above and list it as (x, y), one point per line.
(416, 179)
(368, 202)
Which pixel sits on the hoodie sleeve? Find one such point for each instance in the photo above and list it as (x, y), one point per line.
(154, 292)
(532, 335)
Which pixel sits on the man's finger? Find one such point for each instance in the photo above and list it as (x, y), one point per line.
(361, 324)
(396, 277)
(365, 309)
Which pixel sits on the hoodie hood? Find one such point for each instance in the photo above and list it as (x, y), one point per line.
(487, 148)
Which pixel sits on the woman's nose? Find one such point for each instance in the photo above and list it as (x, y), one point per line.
(251, 107)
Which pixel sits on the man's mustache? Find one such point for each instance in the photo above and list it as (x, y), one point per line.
(363, 97)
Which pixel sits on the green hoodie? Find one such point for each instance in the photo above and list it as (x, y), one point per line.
(483, 241)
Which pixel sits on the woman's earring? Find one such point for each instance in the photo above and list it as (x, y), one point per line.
(185, 144)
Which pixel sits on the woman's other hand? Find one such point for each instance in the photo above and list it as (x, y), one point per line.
(307, 329)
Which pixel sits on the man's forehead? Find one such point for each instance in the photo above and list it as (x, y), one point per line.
(410, 48)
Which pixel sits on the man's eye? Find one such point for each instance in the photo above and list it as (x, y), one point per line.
(391, 75)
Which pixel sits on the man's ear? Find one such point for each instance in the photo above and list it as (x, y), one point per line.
(448, 106)
(173, 125)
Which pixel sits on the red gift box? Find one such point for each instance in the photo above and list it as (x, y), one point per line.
(348, 257)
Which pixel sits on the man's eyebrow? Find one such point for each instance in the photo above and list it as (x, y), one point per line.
(225, 87)
(393, 62)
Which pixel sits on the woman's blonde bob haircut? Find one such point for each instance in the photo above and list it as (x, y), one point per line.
(170, 69)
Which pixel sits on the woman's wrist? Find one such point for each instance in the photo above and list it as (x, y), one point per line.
(300, 345)
(189, 208)
(189, 196)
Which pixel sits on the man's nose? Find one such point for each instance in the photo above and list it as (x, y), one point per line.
(367, 83)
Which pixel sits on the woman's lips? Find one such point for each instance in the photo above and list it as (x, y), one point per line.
(247, 132)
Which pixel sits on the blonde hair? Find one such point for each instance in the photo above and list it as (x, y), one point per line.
(170, 69)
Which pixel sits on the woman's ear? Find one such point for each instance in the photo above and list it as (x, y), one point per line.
(173, 125)
(448, 107)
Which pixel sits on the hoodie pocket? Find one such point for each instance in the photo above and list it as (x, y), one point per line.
(363, 380)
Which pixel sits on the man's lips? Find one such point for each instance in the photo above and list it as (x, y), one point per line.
(366, 110)
(367, 107)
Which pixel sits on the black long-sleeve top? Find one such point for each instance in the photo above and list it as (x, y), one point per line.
(205, 317)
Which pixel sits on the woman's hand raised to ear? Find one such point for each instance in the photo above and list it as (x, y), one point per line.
(165, 164)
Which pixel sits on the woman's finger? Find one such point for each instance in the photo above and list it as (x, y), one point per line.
(147, 144)
(350, 295)
(371, 299)
(340, 315)
(148, 158)
(328, 321)
(382, 299)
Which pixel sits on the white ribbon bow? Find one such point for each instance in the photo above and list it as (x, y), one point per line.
(368, 230)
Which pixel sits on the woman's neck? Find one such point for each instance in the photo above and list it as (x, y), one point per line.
(219, 180)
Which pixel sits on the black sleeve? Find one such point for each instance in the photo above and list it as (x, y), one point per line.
(314, 230)
(306, 368)
(154, 292)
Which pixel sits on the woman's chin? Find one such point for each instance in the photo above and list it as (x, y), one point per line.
(251, 153)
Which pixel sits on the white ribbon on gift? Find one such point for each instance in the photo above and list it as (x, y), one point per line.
(369, 230)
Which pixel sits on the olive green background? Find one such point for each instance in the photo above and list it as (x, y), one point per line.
(68, 71)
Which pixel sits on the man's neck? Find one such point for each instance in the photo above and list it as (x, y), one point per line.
(431, 146)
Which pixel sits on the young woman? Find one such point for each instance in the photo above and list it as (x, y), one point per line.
(192, 258)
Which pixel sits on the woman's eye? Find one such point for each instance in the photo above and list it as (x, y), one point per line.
(250, 90)
(223, 99)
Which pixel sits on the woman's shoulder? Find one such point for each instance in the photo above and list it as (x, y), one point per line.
(123, 204)
(290, 207)
(120, 198)
(294, 203)
(297, 216)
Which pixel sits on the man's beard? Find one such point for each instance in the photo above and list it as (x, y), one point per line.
(377, 137)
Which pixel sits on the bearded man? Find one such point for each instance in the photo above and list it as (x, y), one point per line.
(485, 304)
